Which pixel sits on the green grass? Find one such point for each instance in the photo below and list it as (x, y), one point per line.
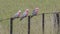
(10, 7)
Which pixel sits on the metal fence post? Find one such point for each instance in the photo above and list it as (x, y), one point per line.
(57, 14)
(57, 18)
(43, 23)
(11, 25)
(28, 24)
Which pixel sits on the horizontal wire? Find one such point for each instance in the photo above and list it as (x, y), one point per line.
(31, 15)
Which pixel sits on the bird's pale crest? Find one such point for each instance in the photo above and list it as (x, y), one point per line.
(19, 11)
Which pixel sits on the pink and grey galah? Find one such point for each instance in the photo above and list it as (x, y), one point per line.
(25, 14)
(17, 15)
(35, 12)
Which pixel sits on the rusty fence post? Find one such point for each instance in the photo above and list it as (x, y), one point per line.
(43, 23)
(11, 25)
(28, 24)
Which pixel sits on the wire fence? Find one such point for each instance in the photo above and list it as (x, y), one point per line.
(30, 15)
(45, 23)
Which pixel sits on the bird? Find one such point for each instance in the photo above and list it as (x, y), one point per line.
(35, 12)
(17, 15)
(25, 14)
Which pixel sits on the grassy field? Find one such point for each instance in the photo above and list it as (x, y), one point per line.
(10, 7)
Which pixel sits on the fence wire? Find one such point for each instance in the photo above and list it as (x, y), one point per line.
(21, 27)
(30, 15)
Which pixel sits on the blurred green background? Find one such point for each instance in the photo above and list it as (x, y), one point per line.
(10, 7)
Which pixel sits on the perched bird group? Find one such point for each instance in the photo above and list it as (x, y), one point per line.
(25, 14)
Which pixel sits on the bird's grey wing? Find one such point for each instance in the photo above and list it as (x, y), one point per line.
(16, 15)
(23, 16)
(33, 13)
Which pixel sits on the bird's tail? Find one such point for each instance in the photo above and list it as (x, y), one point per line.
(14, 17)
(21, 18)
(31, 16)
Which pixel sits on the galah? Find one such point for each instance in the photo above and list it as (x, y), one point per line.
(17, 15)
(25, 14)
(35, 12)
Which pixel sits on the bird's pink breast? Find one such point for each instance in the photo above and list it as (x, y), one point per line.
(18, 14)
(27, 13)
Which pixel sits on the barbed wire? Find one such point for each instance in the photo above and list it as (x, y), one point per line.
(31, 15)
